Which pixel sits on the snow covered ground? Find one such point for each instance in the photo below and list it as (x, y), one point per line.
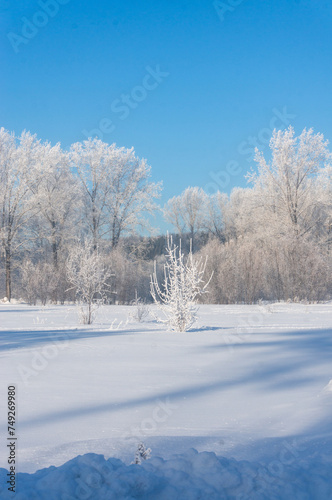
(249, 384)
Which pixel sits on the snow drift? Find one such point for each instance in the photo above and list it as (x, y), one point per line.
(188, 476)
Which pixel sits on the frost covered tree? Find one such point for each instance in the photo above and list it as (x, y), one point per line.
(93, 161)
(56, 198)
(89, 278)
(229, 216)
(183, 284)
(243, 219)
(286, 186)
(325, 188)
(289, 213)
(216, 223)
(38, 281)
(116, 188)
(17, 162)
(132, 194)
(187, 212)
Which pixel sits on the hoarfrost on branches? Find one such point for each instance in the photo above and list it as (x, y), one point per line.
(183, 284)
(187, 212)
(16, 165)
(141, 311)
(116, 189)
(142, 453)
(286, 189)
(89, 277)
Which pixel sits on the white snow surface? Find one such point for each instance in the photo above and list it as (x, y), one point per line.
(249, 388)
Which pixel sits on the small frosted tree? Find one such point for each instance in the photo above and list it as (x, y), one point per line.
(89, 277)
(141, 311)
(142, 454)
(183, 284)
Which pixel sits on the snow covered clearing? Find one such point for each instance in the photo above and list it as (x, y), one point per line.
(251, 385)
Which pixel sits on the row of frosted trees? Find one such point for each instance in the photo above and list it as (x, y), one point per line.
(50, 199)
(271, 240)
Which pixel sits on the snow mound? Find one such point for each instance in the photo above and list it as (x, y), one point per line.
(190, 476)
(12, 301)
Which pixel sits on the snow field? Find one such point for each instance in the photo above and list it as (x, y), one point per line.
(249, 384)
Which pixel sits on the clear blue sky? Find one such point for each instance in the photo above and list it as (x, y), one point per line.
(229, 76)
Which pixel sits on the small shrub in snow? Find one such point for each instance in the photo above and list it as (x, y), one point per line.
(183, 284)
(89, 277)
(142, 453)
(115, 325)
(141, 311)
(39, 282)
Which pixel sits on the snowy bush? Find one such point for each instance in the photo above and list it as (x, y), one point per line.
(142, 453)
(128, 276)
(89, 277)
(183, 284)
(141, 309)
(39, 282)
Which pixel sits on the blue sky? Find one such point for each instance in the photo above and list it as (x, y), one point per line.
(190, 85)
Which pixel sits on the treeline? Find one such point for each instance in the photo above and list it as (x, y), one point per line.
(269, 241)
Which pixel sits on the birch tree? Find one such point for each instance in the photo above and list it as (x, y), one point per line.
(17, 162)
(93, 161)
(116, 188)
(56, 197)
(132, 196)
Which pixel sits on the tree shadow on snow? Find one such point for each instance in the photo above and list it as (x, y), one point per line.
(266, 376)
(26, 339)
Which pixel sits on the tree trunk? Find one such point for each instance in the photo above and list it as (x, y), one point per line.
(115, 234)
(54, 246)
(8, 272)
(94, 228)
(55, 255)
(192, 235)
